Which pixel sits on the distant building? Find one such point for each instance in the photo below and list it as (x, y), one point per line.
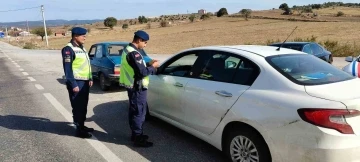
(201, 11)
(60, 33)
(24, 33)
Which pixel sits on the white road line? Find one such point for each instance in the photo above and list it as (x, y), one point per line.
(17, 65)
(94, 142)
(31, 79)
(13, 61)
(39, 87)
(25, 73)
(21, 69)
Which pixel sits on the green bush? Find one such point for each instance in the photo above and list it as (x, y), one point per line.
(29, 45)
(205, 16)
(163, 23)
(192, 18)
(125, 26)
(340, 13)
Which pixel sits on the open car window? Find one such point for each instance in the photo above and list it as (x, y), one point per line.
(307, 69)
(181, 66)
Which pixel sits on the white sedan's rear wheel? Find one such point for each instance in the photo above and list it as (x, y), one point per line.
(246, 145)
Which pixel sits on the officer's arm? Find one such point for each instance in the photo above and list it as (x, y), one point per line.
(138, 65)
(68, 57)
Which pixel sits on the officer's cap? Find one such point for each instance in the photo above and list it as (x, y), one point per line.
(142, 34)
(78, 31)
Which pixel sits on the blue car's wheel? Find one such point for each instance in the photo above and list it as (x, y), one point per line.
(102, 81)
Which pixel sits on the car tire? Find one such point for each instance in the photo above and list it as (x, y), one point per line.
(102, 82)
(257, 150)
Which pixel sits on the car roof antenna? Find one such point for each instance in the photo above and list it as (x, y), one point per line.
(278, 49)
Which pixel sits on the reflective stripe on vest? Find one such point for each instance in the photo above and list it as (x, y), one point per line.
(127, 72)
(81, 64)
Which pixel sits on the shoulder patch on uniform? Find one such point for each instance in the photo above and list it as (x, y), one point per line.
(137, 55)
(67, 60)
(67, 52)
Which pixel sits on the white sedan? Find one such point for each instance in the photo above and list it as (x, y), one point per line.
(260, 104)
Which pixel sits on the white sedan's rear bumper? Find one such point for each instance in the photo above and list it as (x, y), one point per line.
(302, 142)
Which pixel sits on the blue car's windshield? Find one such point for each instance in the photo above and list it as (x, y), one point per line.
(307, 69)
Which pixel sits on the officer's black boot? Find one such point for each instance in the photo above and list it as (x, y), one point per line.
(87, 129)
(82, 133)
(141, 142)
(143, 136)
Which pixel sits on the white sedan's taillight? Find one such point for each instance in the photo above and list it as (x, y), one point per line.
(329, 118)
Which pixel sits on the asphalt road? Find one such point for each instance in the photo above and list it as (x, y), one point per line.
(35, 118)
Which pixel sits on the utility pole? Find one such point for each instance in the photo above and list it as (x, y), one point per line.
(43, 16)
(27, 24)
(7, 35)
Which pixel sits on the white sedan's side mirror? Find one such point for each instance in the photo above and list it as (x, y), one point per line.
(349, 59)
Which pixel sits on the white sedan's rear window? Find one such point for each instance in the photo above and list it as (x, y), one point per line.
(307, 69)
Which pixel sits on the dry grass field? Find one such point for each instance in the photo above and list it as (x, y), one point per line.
(230, 31)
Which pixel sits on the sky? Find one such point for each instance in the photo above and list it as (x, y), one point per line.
(122, 9)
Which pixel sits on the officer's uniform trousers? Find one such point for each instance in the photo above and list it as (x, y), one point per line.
(137, 112)
(79, 101)
(130, 92)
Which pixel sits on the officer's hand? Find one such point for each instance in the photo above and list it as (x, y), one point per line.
(155, 64)
(152, 61)
(76, 89)
(90, 83)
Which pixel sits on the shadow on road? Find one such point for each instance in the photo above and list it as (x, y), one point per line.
(16, 122)
(170, 143)
(95, 89)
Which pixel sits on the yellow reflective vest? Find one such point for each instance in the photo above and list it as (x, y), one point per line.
(81, 64)
(127, 72)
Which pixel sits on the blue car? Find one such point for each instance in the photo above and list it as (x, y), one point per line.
(310, 48)
(105, 60)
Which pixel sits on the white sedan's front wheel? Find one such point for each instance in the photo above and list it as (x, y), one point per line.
(246, 145)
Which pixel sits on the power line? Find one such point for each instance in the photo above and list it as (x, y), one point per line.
(21, 9)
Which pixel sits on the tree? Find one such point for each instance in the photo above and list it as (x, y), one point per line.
(41, 32)
(110, 22)
(246, 13)
(286, 8)
(192, 18)
(283, 6)
(142, 19)
(222, 12)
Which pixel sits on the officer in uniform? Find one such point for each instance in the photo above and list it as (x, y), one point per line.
(134, 73)
(127, 75)
(78, 75)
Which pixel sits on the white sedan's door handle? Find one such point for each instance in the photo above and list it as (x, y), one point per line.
(223, 93)
(178, 84)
